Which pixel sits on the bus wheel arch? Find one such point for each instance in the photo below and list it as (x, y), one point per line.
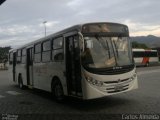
(20, 81)
(57, 89)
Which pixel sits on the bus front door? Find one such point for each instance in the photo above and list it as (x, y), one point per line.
(73, 67)
(14, 66)
(29, 65)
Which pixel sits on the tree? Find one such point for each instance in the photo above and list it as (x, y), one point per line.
(139, 45)
(4, 54)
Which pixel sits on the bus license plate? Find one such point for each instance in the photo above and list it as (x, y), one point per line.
(118, 87)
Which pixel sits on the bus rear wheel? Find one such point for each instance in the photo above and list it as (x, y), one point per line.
(57, 91)
(20, 82)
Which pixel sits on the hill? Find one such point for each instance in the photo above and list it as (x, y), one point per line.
(150, 40)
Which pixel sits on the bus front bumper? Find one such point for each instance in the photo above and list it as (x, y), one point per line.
(93, 92)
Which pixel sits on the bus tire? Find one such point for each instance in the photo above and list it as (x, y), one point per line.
(57, 90)
(20, 82)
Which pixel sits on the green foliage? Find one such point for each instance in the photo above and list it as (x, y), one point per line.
(139, 45)
(4, 54)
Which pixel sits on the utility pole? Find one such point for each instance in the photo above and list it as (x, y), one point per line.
(45, 27)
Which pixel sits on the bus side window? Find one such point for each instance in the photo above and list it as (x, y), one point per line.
(138, 54)
(24, 56)
(57, 52)
(46, 53)
(19, 56)
(37, 53)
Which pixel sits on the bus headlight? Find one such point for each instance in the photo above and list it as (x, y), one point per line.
(93, 81)
(133, 77)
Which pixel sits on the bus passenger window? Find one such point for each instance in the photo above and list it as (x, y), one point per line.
(37, 53)
(57, 43)
(23, 56)
(46, 54)
(18, 56)
(57, 52)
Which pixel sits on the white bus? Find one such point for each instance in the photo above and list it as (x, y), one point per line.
(86, 61)
(145, 57)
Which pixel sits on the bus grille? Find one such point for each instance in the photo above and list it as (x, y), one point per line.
(114, 89)
(117, 86)
(111, 82)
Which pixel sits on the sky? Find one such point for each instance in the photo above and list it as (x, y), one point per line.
(21, 21)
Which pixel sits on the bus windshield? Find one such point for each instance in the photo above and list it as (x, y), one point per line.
(104, 52)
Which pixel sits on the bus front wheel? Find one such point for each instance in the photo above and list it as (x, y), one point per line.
(57, 91)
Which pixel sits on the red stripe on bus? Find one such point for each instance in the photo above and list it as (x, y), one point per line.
(145, 60)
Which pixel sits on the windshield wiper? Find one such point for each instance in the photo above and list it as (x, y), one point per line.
(104, 47)
(107, 48)
(116, 48)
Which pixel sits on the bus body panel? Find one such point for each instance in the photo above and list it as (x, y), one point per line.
(154, 59)
(143, 57)
(92, 91)
(45, 72)
(151, 60)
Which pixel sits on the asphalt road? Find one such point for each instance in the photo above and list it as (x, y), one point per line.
(145, 100)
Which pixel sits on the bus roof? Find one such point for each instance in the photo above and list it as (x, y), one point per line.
(69, 29)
